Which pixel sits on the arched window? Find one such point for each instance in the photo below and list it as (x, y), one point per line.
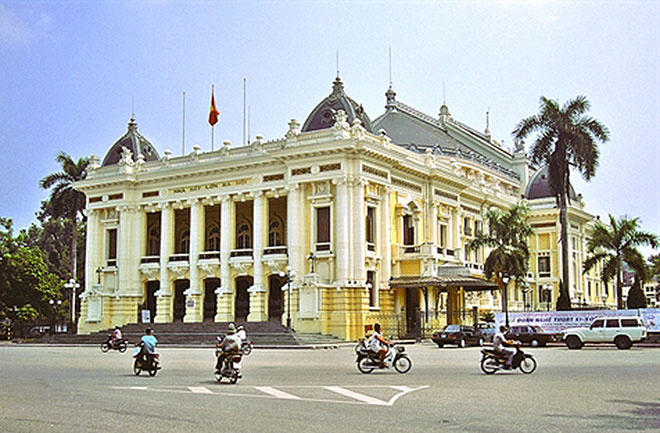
(213, 239)
(184, 242)
(153, 248)
(275, 234)
(243, 238)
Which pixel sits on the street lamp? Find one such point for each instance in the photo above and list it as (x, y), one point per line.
(99, 271)
(290, 275)
(505, 299)
(525, 292)
(312, 257)
(547, 295)
(73, 286)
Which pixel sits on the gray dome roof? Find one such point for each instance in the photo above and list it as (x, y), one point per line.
(133, 141)
(539, 186)
(323, 115)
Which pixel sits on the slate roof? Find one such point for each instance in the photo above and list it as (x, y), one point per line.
(133, 141)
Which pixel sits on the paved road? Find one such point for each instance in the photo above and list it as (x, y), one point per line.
(60, 389)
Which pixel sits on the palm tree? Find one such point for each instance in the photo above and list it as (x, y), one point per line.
(566, 138)
(66, 202)
(614, 244)
(507, 236)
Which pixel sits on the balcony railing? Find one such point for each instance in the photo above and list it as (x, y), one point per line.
(209, 255)
(179, 257)
(280, 249)
(150, 259)
(241, 253)
(111, 263)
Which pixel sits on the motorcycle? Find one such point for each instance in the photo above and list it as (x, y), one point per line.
(492, 361)
(120, 345)
(246, 347)
(149, 362)
(229, 366)
(368, 360)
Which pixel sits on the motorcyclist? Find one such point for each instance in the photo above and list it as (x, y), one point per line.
(230, 345)
(505, 347)
(115, 337)
(241, 334)
(149, 343)
(378, 344)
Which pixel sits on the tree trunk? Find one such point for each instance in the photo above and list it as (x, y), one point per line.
(619, 286)
(74, 262)
(563, 219)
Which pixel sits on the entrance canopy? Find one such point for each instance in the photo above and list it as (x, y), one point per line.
(448, 276)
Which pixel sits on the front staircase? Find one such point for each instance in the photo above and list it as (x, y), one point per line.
(262, 334)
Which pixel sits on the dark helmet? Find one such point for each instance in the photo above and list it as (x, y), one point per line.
(377, 327)
(149, 331)
(116, 327)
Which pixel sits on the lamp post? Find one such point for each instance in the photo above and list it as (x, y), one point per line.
(99, 271)
(546, 295)
(290, 274)
(505, 299)
(312, 257)
(525, 292)
(73, 286)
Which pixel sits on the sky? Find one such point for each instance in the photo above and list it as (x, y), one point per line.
(73, 72)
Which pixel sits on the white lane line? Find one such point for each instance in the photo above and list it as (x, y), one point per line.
(200, 390)
(139, 387)
(404, 390)
(276, 392)
(356, 396)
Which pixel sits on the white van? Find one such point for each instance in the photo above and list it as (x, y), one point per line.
(622, 331)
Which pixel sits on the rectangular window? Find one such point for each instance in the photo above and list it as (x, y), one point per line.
(629, 323)
(443, 235)
(467, 227)
(373, 292)
(112, 247)
(371, 228)
(612, 323)
(323, 228)
(544, 266)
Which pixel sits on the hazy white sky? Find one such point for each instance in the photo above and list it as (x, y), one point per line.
(70, 70)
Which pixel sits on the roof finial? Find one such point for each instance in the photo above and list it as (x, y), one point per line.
(487, 131)
(444, 96)
(390, 66)
(337, 63)
(132, 108)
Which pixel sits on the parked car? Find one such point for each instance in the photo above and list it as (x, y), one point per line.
(622, 331)
(529, 334)
(460, 335)
(487, 330)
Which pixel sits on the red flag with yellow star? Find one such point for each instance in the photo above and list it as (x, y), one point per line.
(213, 112)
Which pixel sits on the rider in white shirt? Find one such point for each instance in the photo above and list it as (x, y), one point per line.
(504, 346)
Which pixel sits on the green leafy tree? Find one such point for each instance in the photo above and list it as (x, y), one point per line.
(636, 297)
(506, 237)
(26, 285)
(614, 244)
(566, 138)
(65, 202)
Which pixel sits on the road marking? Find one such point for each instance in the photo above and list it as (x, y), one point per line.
(404, 390)
(200, 390)
(139, 387)
(356, 396)
(276, 392)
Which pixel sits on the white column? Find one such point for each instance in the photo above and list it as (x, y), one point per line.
(225, 244)
(193, 256)
(295, 229)
(92, 248)
(342, 249)
(165, 247)
(128, 251)
(258, 242)
(359, 240)
(386, 222)
(434, 224)
(257, 291)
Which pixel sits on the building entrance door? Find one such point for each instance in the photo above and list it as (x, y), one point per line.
(150, 301)
(242, 302)
(210, 298)
(180, 299)
(412, 311)
(275, 298)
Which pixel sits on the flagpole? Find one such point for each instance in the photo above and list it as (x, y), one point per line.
(244, 110)
(212, 126)
(183, 129)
